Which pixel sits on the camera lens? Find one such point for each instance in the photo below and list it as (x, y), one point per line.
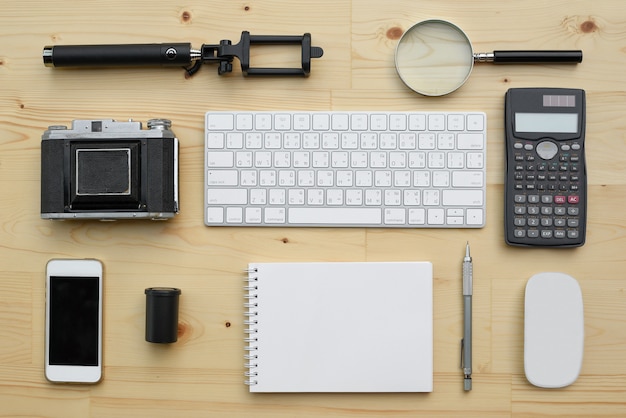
(103, 172)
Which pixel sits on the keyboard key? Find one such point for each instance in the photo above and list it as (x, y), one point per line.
(359, 122)
(222, 178)
(234, 215)
(475, 160)
(220, 122)
(378, 122)
(258, 196)
(244, 122)
(417, 122)
(275, 216)
(282, 122)
(253, 215)
(220, 159)
(456, 122)
(454, 220)
(301, 122)
(462, 198)
(426, 141)
(263, 122)
(227, 196)
(321, 122)
(234, 140)
(350, 140)
(215, 140)
(475, 122)
(354, 197)
(340, 122)
(475, 217)
(296, 196)
(436, 216)
(431, 197)
(397, 122)
(417, 216)
(467, 179)
(471, 141)
(436, 122)
(215, 215)
(395, 216)
(336, 216)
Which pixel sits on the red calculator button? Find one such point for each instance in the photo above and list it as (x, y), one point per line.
(573, 199)
(559, 200)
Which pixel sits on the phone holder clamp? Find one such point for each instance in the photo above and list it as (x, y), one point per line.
(225, 52)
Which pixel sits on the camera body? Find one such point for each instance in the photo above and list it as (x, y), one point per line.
(104, 169)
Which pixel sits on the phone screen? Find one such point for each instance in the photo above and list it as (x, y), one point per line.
(74, 330)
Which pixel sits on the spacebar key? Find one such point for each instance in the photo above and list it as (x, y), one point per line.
(335, 216)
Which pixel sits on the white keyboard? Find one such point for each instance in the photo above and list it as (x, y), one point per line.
(345, 169)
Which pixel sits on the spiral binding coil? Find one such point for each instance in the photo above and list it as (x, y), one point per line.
(251, 322)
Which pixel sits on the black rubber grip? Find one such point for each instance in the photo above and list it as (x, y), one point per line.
(520, 57)
(178, 54)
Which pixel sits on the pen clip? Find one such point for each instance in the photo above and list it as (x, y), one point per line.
(462, 353)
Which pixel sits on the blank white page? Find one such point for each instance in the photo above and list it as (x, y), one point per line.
(342, 327)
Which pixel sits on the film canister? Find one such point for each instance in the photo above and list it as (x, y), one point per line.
(162, 314)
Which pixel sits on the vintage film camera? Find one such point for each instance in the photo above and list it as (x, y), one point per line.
(104, 169)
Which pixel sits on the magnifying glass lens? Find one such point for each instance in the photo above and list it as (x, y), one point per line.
(434, 58)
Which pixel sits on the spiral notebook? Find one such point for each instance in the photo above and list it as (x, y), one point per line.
(339, 327)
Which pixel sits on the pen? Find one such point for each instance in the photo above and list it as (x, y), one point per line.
(466, 342)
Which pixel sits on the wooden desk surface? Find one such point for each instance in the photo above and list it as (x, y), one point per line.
(202, 374)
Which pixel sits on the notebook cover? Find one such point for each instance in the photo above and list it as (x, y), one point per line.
(340, 327)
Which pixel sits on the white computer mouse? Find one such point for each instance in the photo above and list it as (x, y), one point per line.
(553, 330)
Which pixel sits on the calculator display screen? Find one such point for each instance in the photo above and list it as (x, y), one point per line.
(547, 122)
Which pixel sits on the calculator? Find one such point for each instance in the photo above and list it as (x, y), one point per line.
(546, 179)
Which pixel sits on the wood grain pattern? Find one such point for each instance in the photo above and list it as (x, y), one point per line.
(202, 374)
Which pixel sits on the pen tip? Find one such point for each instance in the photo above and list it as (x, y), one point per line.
(467, 384)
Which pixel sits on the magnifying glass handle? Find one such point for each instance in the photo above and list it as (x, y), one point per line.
(529, 57)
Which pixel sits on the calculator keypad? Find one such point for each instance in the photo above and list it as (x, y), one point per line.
(548, 192)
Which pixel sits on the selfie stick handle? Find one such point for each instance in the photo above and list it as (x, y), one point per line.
(177, 54)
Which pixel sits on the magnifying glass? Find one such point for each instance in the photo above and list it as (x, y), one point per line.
(435, 57)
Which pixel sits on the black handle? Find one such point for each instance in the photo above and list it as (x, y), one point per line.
(521, 57)
(178, 54)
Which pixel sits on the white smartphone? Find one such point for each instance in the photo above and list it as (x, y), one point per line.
(73, 321)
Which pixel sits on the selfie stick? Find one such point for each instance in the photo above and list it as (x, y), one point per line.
(182, 54)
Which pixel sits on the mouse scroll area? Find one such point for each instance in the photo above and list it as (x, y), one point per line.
(553, 330)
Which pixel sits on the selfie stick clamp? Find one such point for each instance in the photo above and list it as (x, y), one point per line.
(225, 52)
